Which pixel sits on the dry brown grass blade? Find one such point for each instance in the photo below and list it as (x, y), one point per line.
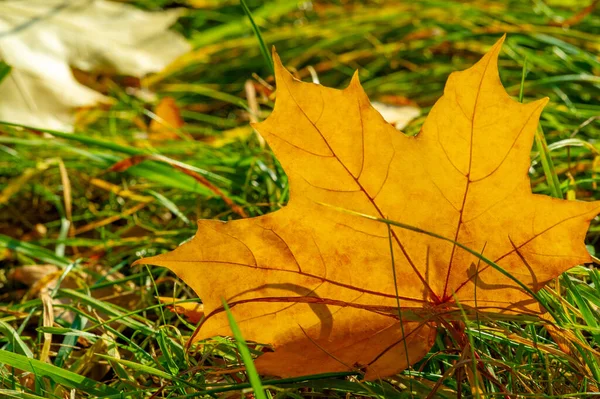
(117, 190)
(136, 159)
(578, 17)
(109, 220)
(48, 321)
(66, 184)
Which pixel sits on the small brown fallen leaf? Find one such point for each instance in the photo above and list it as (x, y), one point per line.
(168, 121)
(318, 283)
(32, 274)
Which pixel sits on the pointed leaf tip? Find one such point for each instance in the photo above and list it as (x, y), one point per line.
(355, 79)
(280, 70)
(355, 85)
(276, 59)
(495, 50)
(137, 262)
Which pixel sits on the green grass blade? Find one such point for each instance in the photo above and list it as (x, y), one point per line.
(10, 393)
(263, 48)
(144, 369)
(15, 340)
(56, 374)
(107, 308)
(587, 313)
(169, 205)
(151, 170)
(547, 164)
(218, 34)
(542, 147)
(33, 251)
(139, 367)
(4, 70)
(253, 376)
(523, 75)
(391, 245)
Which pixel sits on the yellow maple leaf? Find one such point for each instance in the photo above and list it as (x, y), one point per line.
(317, 283)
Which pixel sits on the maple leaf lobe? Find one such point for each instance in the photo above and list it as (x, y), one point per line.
(317, 283)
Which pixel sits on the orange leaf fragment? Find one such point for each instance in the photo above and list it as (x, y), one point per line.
(317, 283)
(193, 311)
(168, 120)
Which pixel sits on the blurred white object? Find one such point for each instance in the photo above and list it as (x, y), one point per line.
(41, 39)
(397, 115)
